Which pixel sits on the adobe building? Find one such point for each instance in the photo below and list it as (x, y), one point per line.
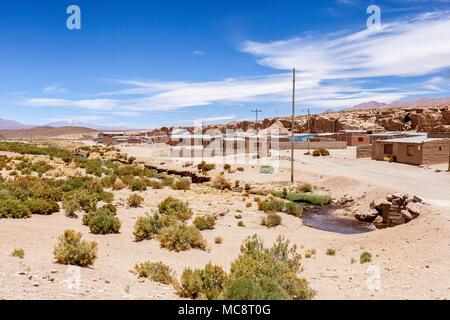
(413, 150)
(352, 137)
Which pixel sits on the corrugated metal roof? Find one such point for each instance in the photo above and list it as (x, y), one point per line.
(417, 139)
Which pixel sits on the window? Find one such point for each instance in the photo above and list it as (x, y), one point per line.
(440, 148)
(410, 151)
(360, 139)
(388, 149)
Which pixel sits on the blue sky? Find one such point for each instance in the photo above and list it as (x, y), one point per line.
(144, 64)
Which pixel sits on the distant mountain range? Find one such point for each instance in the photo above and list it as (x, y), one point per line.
(14, 125)
(76, 123)
(422, 102)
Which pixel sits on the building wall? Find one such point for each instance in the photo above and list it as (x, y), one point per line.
(402, 153)
(312, 145)
(364, 151)
(436, 152)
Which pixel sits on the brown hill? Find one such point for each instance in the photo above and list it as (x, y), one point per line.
(48, 132)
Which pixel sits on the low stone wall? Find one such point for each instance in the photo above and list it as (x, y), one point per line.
(364, 151)
(312, 145)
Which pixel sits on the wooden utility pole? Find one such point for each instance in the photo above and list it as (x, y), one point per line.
(292, 126)
(308, 131)
(256, 111)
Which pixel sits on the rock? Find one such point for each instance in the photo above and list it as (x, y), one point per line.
(35, 284)
(367, 216)
(382, 204)
(405, 213)
(397, 201)
(397, 196)
(413, 208)
(389, 197)
(53, 271)
(418, 199)
(238, 216)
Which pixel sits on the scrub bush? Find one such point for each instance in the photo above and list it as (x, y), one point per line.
(70, 249)
(180, 237)
(204, 222)
(155, 271)
(135, 200)
(175, 207)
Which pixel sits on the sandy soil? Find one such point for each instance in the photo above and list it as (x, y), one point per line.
(411, 260)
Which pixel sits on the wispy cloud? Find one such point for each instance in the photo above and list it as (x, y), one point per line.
(418, 46)
(198, 52)
(92, 104)
(55, 88)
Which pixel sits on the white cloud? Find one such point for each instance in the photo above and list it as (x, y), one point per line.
(418, 46)
(198, 52)
(74, 118)
(211, 119)
(54, 88)
(92, 104)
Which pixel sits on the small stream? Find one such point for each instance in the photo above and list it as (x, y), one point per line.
(320, 218)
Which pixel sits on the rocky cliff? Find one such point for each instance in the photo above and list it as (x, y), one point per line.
(421, 119)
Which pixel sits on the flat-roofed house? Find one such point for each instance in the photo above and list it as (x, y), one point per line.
(415, 150)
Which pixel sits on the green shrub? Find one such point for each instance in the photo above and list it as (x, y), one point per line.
(71, 207)
(102, 222)
(218, 240)
(135, 200)
(331, 252)
(14, 209)
(203, 166)
(365, 257)
(182, 184)
(19, 253)
(372, 205)
(175, 207)
(106, 197)
(138, 185)
(86, 200)
(271, 220)
(148, 227)
(70, 249)
(324, 152)
(273, 206)
(266, 274)
(226, 167)
(204, 222)
(241, 223)
(154, 184)
(293, 208)
(180, 237)
(316, 153)
(204, 283)
(312, 198)
(42, 206)
(155, 271)
(240, 169)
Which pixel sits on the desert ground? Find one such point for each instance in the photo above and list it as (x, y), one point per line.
(410, 261)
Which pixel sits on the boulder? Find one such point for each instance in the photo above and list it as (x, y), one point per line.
(397, 201)
(381, 205)
(367, 216)
(405, 214)
(389, 197)
(413, 208)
